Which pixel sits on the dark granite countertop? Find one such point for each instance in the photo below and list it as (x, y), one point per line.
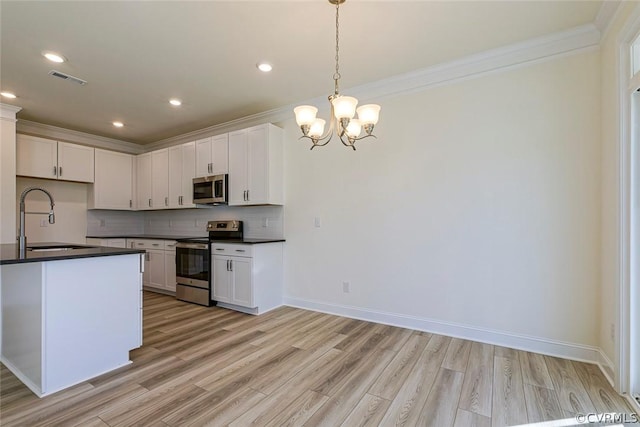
(249, 241)
(9, 253)
(146, 236)
(246, 240)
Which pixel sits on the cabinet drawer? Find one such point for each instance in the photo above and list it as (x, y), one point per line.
(150, 244)
(230, 249)
(169, 245)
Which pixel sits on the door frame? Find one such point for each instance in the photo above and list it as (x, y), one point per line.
(627, 84)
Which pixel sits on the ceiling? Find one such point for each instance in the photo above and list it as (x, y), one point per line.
(135, 55)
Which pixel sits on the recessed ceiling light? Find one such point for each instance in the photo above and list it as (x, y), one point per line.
(118, 124)
(265, 67)
(8, 95)
(175, 102)
(54, 57)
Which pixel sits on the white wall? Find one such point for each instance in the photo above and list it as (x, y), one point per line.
(70, 209)
(478, 205)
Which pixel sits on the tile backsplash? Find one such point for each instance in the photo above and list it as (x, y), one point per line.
(259, 221)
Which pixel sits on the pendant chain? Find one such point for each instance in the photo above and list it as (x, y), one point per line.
(336, 76)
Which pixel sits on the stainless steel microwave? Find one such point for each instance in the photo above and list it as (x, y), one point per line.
(210, 190)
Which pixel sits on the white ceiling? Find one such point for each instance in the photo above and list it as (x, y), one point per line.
(135, 55)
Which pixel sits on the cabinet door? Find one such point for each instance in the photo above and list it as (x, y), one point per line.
(75, 162)
(188, 173)
(147, 268)
(144, 196)
(37, 157)
(170, 270)
(203, 157)
(258, 165)
(221, 282)
(160, 179)
(220, 154)
(238, 168)
(241, 282)
(156, 269)
(113, 185)
(175, 176)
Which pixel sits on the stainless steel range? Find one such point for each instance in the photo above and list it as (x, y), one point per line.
(193, 261)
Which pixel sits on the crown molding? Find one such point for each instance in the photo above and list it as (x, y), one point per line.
(568, 42)
(606, 15)
(68, 135)
(8, 112)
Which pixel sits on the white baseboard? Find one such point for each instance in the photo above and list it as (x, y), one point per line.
(565, 350)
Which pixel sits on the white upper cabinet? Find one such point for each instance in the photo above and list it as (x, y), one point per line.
(113, 186)
(36, 157)
(212, 155)
(143, 181)
(160, 179)
(45, 158)
(182, 166)
(153, 180)
(255, 166)
(75, 162)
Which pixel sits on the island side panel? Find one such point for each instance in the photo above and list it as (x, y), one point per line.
(22, 322)
(92, 317)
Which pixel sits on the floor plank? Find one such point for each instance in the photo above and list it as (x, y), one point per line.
(509, 406)
(477, 387)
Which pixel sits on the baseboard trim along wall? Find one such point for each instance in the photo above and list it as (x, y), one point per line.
(565, 350)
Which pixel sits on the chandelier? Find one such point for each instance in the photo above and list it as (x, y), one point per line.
(343, 110)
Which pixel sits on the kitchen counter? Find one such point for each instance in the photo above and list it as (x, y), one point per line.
(69, 315)
(145, 236)
(9, 253)
(246, 240)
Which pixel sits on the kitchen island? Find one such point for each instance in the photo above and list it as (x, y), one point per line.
(70, 314)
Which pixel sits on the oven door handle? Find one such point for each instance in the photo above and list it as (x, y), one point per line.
(192, 246)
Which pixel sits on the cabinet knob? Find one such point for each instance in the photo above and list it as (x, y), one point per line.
(149, 202)
(55, 171)
(240, 250)
(60, 171)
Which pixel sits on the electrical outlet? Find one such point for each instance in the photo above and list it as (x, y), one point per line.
(265, 222)
(170, 223)
(317, 222)
(613, 332)
(346, 287)
(103, 223)
(44, 223)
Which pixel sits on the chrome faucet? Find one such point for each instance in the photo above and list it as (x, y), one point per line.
(22, 239)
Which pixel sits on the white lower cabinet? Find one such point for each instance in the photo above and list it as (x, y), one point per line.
(247, 277)
(160, 264)
(170, 268)
(113, 243)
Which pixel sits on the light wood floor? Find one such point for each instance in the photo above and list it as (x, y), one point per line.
(211, 366)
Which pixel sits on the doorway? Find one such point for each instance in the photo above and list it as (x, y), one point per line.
(634, 222)
(634, 346)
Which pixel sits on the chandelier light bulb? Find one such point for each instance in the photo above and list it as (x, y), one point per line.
(317, 128)
(344, 107)
(354, 128)
(305, 114)
(369, 114)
